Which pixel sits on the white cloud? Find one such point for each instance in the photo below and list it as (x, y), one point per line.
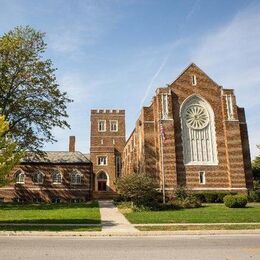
(96, 18)
(231, 55)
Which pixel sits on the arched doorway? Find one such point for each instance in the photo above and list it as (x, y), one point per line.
(102, 181)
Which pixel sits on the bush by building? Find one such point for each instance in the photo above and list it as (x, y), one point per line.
(254, 194)
(235, 201)
(140, 189)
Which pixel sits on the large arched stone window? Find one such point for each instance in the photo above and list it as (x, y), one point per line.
(198, 132)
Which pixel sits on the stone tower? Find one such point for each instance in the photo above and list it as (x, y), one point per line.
(107, 141)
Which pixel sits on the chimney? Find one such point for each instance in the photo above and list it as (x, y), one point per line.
(72, 141)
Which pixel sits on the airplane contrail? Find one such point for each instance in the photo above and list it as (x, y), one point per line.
(187, 18)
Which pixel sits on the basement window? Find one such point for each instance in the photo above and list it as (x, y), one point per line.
(202, 178)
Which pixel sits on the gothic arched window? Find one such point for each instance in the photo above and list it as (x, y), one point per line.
(198, 132)
(75, 178)
(38, 177)
(56, 178)
(20, 176)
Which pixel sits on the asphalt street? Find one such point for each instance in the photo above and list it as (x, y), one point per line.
(123, 248)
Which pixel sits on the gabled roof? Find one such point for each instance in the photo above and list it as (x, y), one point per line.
(193, 65)
(59, 157)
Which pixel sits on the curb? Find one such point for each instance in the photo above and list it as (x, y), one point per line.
(126, 234)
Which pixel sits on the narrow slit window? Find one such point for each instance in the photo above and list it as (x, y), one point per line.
(202, 179)
(113, 125)
(194, 80)
(102, 125)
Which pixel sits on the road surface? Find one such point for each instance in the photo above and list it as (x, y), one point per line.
(171, 247)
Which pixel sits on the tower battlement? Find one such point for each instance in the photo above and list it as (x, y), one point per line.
(107, 111)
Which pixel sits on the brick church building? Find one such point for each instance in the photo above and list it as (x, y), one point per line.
(193, 134)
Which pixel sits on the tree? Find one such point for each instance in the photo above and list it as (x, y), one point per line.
(9, 156)
(141, 189)
(30, 98)
(256, 167)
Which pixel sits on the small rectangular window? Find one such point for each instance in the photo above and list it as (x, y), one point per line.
(113, 125)
(202, 179)
(102, 160)
(194, 80)
(102, 125)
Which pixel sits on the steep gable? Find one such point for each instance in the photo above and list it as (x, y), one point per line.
(186, 76)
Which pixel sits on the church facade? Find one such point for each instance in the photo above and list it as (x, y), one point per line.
(193, 134)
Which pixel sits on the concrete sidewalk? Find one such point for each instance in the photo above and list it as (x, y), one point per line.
(112, 220)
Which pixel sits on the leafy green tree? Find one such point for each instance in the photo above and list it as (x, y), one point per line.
(30, 98)
(141, 189)
(256, 167)
(9, 156)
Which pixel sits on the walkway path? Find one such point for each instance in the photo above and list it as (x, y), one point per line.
(112, 220)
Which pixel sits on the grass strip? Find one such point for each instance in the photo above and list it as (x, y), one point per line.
(198, 227)
(48, 228)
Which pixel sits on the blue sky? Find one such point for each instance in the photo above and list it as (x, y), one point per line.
(115, 53)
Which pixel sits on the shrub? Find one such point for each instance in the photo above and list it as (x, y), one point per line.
(235, 201)
(212, 196)
(141, 189)
(172, 205)
(181, 193)
(191, 202)
(118, 199)
(254, 195)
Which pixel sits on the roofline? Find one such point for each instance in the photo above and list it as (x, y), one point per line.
(192, 63)
(57, 163)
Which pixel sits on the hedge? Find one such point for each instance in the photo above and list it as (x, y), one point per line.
(212, 196)
(235, 201)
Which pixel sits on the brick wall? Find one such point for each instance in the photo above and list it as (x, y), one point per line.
(47, 191)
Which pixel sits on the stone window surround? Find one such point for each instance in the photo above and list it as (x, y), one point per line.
(19, 179)
(187, 103)
(111, 125)
(102, 164)
(76, 174)
(202, 177)
(99, 126)
(53, 178)
(37, 173)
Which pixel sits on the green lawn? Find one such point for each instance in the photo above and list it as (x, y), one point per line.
(198, 227)
(50, 213)
(209, 213)
(48, 228)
